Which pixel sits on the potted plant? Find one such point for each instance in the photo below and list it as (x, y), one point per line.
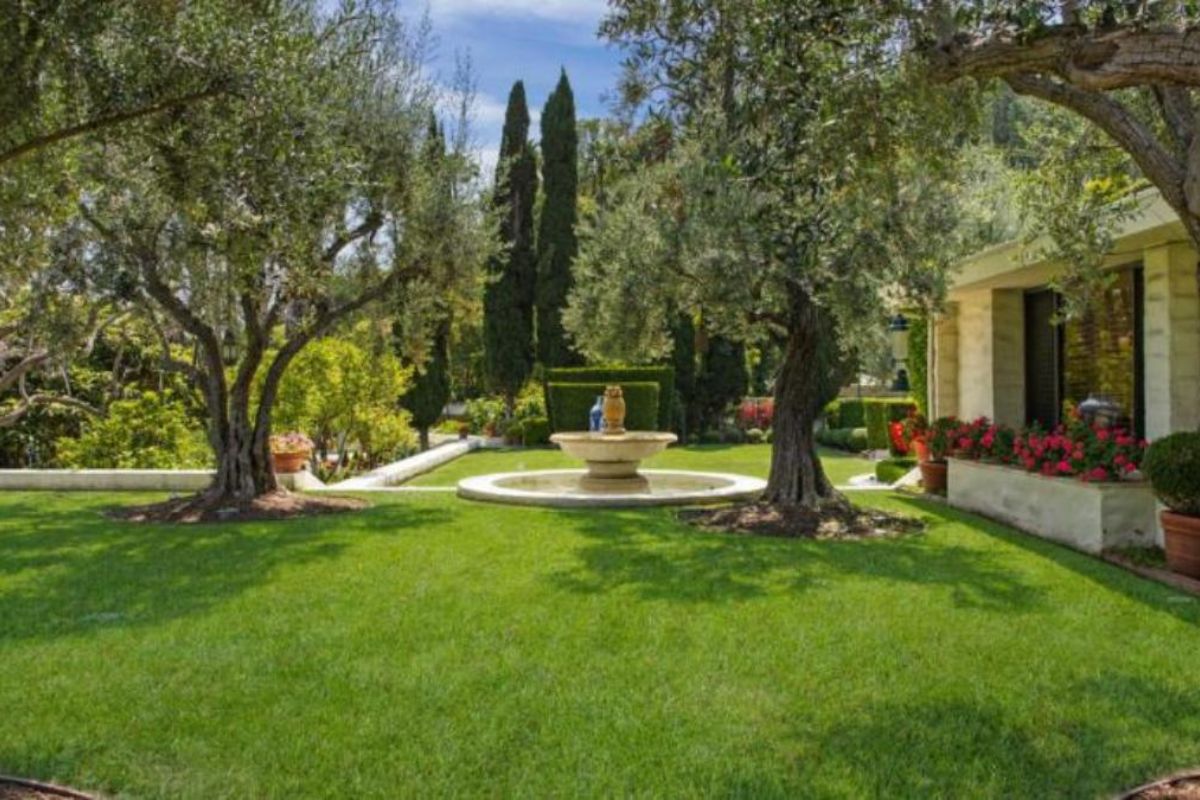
(940, 439)
(1173, 466)
(290, 452)
(464, 430)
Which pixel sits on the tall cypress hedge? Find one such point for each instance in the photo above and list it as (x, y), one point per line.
(664, 376)
(556, 242)
(509, 297)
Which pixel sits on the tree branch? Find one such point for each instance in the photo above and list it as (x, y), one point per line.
(1118, 59)
(29, 402)
(106, 121)
(1117, 121)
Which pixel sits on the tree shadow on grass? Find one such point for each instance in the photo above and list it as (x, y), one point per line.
(1154, 595)
(67, 569)
(661, 558)
(1095, 737)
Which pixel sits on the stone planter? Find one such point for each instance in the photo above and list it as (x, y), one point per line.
(1087, 516)
(1181, 535)
(287, 463)
(933, 476)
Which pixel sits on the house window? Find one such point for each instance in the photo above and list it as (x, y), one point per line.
(1097, 353)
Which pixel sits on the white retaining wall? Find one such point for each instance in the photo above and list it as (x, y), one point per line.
(129, 480)
(1087, 516)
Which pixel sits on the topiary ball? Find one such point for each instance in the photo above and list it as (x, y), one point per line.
(1173, 466)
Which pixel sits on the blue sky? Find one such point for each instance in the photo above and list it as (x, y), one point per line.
(527, 40)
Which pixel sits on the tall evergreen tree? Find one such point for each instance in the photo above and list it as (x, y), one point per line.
(556, 243)
(509, 298)
(430, 389)
(683, 359)
(723, 379)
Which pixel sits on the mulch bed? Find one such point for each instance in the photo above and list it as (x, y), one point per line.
(22, 789)
(277, 505)
(1184, 786)
(836, 521)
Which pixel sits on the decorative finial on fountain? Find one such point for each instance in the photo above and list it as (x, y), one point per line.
(614, 411)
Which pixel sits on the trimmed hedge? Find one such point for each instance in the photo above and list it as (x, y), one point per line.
(890, 470)
(570, 404)
(852, 439)
(664, 376)
(879, 412)
(847, 413)
(1173, 466)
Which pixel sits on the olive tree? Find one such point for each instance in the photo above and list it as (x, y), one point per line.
(260, 223)
(803, 191)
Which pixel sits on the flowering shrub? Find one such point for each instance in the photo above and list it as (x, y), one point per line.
(941, 437)
(1080, 449)
(897, 439)
(756, 412)
(289, 443)
(1077, 449)
(915, 426)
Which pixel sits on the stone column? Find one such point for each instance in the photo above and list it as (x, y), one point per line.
(1172, 339)
(943, 372)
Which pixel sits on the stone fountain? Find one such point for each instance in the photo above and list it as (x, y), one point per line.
(612, 478)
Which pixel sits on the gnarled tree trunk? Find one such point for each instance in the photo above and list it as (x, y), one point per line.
(810, 376)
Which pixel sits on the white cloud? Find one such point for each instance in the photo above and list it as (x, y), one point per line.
(487, 158)
(557, 10)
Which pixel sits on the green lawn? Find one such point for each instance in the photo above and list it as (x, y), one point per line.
(742, 459)
(433, 647)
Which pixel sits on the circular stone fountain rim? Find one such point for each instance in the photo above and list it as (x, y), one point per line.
(612, 438)
(484, 487)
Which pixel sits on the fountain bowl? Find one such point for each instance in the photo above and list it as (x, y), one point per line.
(571, 488)
(612, 458)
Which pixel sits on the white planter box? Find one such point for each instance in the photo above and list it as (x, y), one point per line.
(1087, 516)
(130, 480)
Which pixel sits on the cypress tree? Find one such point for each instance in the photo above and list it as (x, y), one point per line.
(508, 300)
(556, 243)
(683, 359)
(430, 388)
(723, 378)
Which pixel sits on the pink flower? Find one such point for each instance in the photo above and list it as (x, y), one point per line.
(1103, 435)
(1098, 474)
(1064, 467)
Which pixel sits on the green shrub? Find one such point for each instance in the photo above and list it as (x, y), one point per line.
(664, 376)
(851, 414)
(709, 437)
(918, 367)
(890, 470)
(877, 433)
(754, 436)
(151, 431)
(483, 412)
(831, 414)
(853, 440)
(570, 404)
(1173, 466)
(769, 436)
(535, 432)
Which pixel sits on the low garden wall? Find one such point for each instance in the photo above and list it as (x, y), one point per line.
(128, 480)
(1087, 516)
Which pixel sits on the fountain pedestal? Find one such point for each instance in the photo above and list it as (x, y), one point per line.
(612, 459)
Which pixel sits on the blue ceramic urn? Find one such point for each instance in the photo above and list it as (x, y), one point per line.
(596, 415)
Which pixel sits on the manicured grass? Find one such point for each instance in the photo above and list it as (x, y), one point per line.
(434, 647)
(754, 459)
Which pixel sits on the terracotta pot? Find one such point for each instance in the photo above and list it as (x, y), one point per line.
(284, 463)
(933, 476)
(1182, 535)
(920, 449)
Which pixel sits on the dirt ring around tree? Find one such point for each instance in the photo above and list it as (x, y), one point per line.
(834, 521)
(28, 789)
(278, 505)
(1179, 786)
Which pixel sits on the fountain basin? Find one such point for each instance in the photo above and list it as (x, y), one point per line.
(568, 488)
(612, 459)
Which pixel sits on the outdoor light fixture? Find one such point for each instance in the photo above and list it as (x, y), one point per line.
(898, 333)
